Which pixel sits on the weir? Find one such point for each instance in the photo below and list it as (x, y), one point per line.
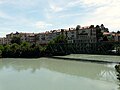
(86, 60)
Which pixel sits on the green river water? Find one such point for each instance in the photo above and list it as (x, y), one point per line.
(55, 74)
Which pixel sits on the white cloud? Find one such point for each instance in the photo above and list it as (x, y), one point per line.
(73, 3)
(70, 15)
(107, 13)
(104, 11)
(96, 2)
(55, 8)
(42, 25)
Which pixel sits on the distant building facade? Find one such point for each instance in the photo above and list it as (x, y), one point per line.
(25, 37)
(88, 34)
(3, 41)
(71, 35)
(45, 38)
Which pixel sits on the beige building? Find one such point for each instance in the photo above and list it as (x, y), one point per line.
(3, 41)
(117, 37)
(25, 37)
(86, 35)
(71, 35)
(45, 38)
(41, 38)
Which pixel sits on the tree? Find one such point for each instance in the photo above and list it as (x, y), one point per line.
(0, 53)
(25, 49)
(54, 47)
(60, 39)
(105, 38)
(78, 27)
(102, 25)
(1, 47)
(106, 30)
(6, 51)
(16, 39)
(36, 39)
(99, 34)
(91, 26)
(118, 31)
(15, 50)
(1, 50)
(97, 26)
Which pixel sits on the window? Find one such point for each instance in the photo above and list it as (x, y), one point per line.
(72, 35)
(72, 32)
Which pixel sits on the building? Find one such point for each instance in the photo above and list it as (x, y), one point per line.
(3, 41)
(108, 36)
(71, 35)
(112, 37)
(116, 37)
(45, 38)
(86, 35)
(25, 37)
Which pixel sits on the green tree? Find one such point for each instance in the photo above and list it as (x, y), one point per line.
(99, 34)
(6, 51)
(1, 50)
(55, 47)
(0, 53)
(16, 39)
(91, 26)
(118, 31)
(1, 47)
(15, 50)
(60, 39)
(36, 39)
(78, 27)
(25, 49)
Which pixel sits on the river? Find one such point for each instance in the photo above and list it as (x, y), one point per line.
(56, 74)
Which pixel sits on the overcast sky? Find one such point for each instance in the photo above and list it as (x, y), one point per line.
(42, 15)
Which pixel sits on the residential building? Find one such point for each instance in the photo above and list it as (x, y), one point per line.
(116, 37)
(86, 35)
(110, 36)
(25, 37)
(3, 41)
(71, 35)
(45, 38)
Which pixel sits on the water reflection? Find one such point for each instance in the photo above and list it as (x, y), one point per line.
(38, 74)
(94, 71)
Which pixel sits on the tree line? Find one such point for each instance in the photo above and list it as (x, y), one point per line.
(18, 49)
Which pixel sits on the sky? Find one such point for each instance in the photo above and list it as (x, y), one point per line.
(45, 15)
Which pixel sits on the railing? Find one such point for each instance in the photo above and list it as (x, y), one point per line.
(88, 48)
